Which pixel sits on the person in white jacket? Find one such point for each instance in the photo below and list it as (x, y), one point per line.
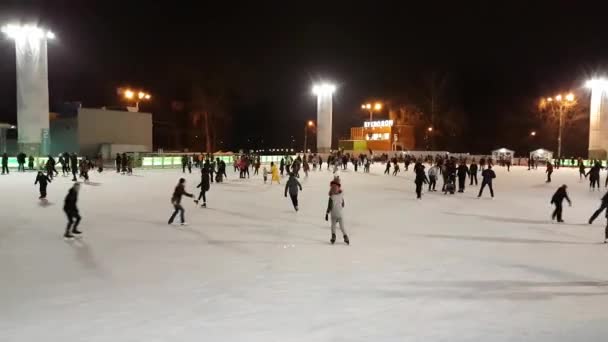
(433, 173)
(335, 206)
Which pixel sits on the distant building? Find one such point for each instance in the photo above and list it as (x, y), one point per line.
(381, 135)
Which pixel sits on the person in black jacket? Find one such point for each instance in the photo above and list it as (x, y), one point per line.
(388, 167)
(292, 186)
(602, 207)
(462, 173)
(118, 162)
(176, 200)
(204, 185)
(70, 209)
(557, 199)
(420, 179)
(30, 162)
(5, 163)
(594, 176)
(74, 166)
(549, 171)
(473, 172)
(43, 180)
(21, 161)
(487, 176)
(581, 169)
(123, 164)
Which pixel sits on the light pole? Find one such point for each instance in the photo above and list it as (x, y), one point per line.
(130, 95)
(371, 108)
(310, 123)
(598, 118)
(558, 105)
(32, 86)
(324, 93)
(429, 132)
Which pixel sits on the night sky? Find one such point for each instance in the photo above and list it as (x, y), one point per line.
(497, 59)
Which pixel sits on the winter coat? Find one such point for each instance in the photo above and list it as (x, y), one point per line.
(463, 170)
(488, 175)
(473, 169)
(178, 193)
(69, 204)
(549, 168)
(560, 195)
(43, 180)
(74, 162)
(420, 176)
(335, 204)
(204, 184)
(292, 185)
(275, 173)
(594, 172)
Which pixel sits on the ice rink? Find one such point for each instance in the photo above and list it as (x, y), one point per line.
(249, 268)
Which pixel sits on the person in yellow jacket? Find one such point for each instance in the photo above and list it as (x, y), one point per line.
(275, 173)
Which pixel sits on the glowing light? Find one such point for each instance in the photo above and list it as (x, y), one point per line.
(310, 123)
(558, 97)
(570, 97)
(323, 89)
(430, 129)
(20, 32)
(362, 106)
(533, 133)
(549, 99)
(378, 106)
(147, 97)
(129, 94)
(141, 95)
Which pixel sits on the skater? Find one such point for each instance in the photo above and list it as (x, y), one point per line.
(282, 167)
(123, 163)
(292, 186)
(487, 176)
(473, 172)
(581, 169)
(118, 162)
(602, 207)
(462, 172)
(265, 174)
(99, 162)
(420, 179)
(549, 171)
(557, 199)
(30, 163)
(70, 209)
(74, 166)
(43, 180)
(84, 170)
(594, 176)
(64, 165)
(396, 169)
(21, 162)
(204, 185)
(275, 173)
(335, 206)
(433, 171)
(5, 163)
(176, 200)
(388, 167)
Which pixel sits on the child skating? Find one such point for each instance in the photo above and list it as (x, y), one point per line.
(335, 207)
(43, 180)
(265, 174)
(292, 186)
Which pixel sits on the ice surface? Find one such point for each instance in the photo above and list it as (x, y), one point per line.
(248, 268)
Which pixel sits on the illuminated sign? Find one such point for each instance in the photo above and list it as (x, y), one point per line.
(381, 123)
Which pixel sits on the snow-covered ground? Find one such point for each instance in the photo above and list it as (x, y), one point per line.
(248, 268)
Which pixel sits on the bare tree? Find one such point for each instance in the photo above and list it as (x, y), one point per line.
(562, 111)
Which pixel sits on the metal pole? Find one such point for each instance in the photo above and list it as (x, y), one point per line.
(305, 138)
(559, 134)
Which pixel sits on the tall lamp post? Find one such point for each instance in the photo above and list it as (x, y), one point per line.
(371, 108)
(140, 96)
(310, 124)
(32, 86)
(558, 105)
(598, 118)
(324, 93)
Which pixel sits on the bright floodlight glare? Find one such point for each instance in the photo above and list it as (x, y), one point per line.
(570, 97)
(310, 123)
(558, 97)
(141, 95)
(323, 89)
(148, 96)
(129, 94)
(549, 99)
(19, 32)
(368, 106)
(378, 106)
(430, 129)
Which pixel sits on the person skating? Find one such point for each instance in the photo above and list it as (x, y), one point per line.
(487, 176)
(30, 163)
(21, 162)
(5, 163)
(433, 172)
(64, 165)
(123, 164)
(306, 166)
(335, 206)
(265, 174)
(275, 173)
(473, 172)
(581, 169)
(396, 169)
(99, 162)
(129, 165)
(462, 172)
(603, 206)
(292, 186)
(281, 167)
(594, 176)
(549, 171)
(84, 170)
(71, 211)
(118, 162)
(420, 179)
(557, 199)
(176, 200)
(74, 166)
(204, 185)
(388, 167)
(43, 180)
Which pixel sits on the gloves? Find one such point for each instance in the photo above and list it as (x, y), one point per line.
(326, 217)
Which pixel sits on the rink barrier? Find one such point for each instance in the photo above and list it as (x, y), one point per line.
(176, 161)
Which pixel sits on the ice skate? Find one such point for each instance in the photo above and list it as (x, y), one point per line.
(204, 205)
(346, 241)
(76, 231)
(68, 236)
(196, 201)
(333, 239)
(184, 224)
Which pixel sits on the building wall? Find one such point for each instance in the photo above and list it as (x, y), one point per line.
(98, 126)
(64, 136)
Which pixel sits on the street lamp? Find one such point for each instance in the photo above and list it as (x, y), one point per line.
(324, 93)
(371, 108)
(533, 133)
(310, 124)
(558, 105)
(141, 96)
(32, 86)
